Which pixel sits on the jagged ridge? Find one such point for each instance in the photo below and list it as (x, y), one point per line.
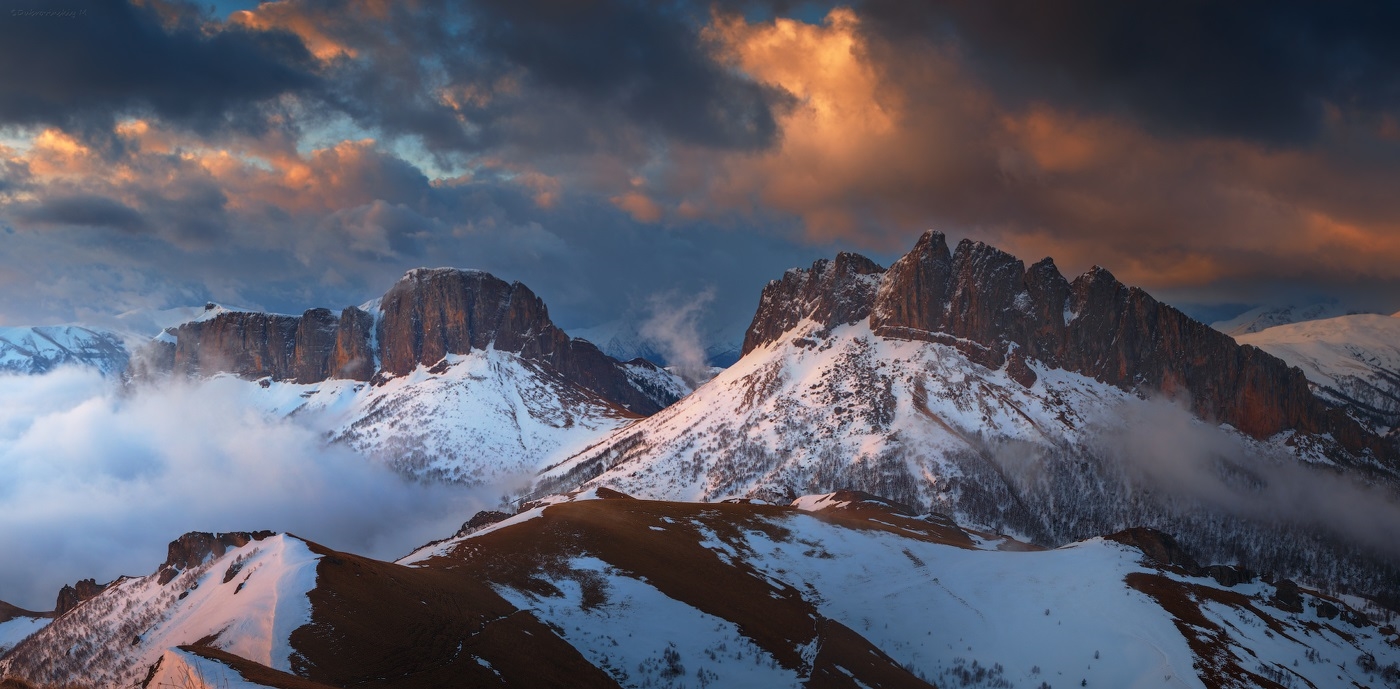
(987, 304)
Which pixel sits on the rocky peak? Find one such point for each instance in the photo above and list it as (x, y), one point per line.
(831, 292)
(70, 597)
(427, 315)
(986, 303)
(195, 547)
(432, 313)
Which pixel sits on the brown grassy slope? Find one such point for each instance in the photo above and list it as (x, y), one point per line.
(624, 533)
(377, 624)
(9, 612)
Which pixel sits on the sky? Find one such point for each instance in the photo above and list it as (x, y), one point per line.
(303, 153)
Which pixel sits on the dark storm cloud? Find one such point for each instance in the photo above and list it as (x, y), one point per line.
(1258, 69)
(646, 62)
(538, 75)
(84, 211)
(115, 57)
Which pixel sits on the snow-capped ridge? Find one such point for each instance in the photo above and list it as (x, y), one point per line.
(41, 349)
(247, 601)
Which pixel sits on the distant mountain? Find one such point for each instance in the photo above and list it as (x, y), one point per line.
(963, 381)
(1264, 317)
(1352, 361)
(599, 590)
(623, 340)
(451, 376)
(40, 349)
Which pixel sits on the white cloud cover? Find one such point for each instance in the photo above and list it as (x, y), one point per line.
(98, 479)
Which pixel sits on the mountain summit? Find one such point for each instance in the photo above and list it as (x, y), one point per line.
(428, 315)
(964, 382)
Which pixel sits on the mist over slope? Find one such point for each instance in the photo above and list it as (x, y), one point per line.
(97, 476)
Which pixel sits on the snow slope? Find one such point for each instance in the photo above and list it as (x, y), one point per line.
(1350, 360)
(904, 419)
(477, 419)
(247, 602)
(977, 613)
(839, 590)
(40, 349)
(18, 629)
(1064, 459)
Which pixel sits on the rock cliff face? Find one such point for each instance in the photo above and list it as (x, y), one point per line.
(195, 547)
(987, 304)
(432, 313)
(70, 597)
(426, 316)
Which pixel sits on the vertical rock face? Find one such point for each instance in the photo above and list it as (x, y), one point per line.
(426, 316)
(432, 313)
(70, 597)
(987, 304)
(830, 293)
(250, 345)
(354, 352)
(314, 346)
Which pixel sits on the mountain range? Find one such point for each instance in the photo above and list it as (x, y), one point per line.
(1033, 440)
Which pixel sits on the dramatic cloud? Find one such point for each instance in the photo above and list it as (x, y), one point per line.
(306, 152)
(1264, 70)
(98, 481)
(83, 66)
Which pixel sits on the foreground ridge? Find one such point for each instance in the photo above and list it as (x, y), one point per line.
(598, 589)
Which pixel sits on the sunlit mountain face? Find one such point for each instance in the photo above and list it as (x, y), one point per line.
(699, 344)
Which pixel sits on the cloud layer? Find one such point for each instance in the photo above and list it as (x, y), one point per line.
(98, 481)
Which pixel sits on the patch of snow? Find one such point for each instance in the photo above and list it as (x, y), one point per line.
(642, 637)
(188, 671)
(18, 629)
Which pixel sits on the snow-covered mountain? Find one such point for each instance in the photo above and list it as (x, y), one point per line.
(1265, 317)
(966, 383)
(40, 349)
(1353, 361)
(839, 590)
(451, 376)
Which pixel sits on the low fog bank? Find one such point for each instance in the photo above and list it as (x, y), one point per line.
(1166, 451)
(95, 482)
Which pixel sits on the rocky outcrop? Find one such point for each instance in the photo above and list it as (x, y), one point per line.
(70, 597)
(195, 548)
(249, 345)
(426, 316)
(830, 293)
(430, 314)
(987, 304)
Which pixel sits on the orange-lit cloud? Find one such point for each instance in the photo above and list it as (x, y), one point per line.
(289, 16)
(880, 143)
(639, 206)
